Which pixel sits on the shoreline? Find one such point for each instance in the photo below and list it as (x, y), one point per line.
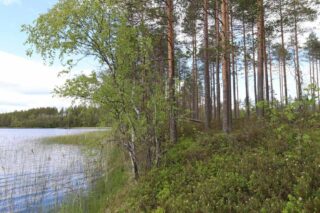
(115, 173)
(55, 128)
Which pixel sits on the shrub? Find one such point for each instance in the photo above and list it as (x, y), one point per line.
(267, 170)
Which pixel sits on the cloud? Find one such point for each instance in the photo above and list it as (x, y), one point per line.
(10, 2)
(27, 84)
(10, 104)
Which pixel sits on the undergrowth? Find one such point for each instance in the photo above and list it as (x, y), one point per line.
(269, 166)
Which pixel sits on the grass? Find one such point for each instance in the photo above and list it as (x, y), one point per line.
(100, 196)
(114, 180)
(89, 139)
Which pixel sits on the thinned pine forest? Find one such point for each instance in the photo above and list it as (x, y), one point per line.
(214, 104)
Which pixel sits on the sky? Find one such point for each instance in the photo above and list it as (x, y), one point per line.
(25, 82)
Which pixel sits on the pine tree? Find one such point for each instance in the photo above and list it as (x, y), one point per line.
(171, 73)
(226, 66)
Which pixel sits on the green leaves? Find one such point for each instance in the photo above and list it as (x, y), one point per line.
(124, 84)
(80, 87)
(70, 29)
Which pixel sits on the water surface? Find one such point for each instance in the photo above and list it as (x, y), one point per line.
(35, 177)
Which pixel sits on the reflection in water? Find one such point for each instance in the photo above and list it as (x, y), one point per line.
(36, 177)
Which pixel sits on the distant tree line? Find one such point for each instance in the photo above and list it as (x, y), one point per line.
(51, 117)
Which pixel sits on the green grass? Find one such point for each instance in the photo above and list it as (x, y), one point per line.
(107, 187)
(90, 139)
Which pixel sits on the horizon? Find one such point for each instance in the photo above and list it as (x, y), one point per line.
(25, 82)
(28, 83)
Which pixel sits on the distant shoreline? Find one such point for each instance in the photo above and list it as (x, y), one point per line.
(55, 128)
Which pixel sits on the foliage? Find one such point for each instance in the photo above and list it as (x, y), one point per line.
(255, 169)
(297, 115)
(77, 116)
(123, 84)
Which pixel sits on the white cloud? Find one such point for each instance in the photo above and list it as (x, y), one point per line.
(9, 2)
(27, 84)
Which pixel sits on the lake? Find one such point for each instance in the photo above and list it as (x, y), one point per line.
(37, 177)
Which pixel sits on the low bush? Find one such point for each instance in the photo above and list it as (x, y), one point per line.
(263, 169)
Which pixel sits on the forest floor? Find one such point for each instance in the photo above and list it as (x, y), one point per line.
(258, 168)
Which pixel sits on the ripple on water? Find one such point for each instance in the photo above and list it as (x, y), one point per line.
(37, 177)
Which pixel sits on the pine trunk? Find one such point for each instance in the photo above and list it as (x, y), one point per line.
(171, 74)
(283, 56)
(247, 101)
(214, 92)
(280, 82)
(233, 71)
(261, 38)
(254, 66)
(271, 78)
(195, 90)
(218, 88)
(226, 67)
(208, 106)
(267, 92)
(296, 44)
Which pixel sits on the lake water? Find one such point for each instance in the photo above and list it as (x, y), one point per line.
(35, 177)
